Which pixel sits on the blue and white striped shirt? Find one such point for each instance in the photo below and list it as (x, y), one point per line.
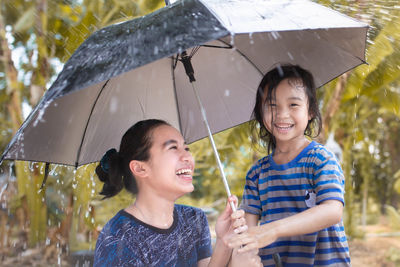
(275, 191)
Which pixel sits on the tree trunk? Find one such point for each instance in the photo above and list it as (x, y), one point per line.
(332, 106)
(28, 181)
(349, 195)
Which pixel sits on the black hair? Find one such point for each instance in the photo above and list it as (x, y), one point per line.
(268, 84)
(114, 170)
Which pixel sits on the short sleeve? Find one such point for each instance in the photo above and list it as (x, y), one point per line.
(204, 249)
(328, 178)
(251, 197)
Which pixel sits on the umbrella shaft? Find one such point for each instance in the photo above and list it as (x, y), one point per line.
(221, 168)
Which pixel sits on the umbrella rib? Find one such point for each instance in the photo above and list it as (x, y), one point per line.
(87, 124)
(243, 55)
(228, 46)
(173, 66)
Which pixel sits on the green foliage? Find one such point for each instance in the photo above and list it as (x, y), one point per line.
(367, 120)
(394, 217)
(393, 255)
(234, 147)
(40, 35)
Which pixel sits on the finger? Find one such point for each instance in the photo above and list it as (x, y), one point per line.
(247, 247)
(233, 199)
(239, 222)
(239, 240)
(238, 214)
(241, 229)
(228, 210)
(253, 252)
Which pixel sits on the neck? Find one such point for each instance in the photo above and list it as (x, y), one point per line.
(292, 145)
(287, 151)
(153, 210)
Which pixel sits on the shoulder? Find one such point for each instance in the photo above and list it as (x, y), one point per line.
(258, 166)
(116, 225)
(191, 217)
(320, 153)
(108, 246)
(188, 211)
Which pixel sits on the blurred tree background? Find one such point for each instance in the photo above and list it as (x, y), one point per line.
(360, 109)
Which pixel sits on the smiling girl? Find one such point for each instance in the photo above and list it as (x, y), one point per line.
(155, 164)
(295, 192)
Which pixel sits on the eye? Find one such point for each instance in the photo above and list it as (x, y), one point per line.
(173, 147)
(187, 148)
(294, 105)
(270, 105)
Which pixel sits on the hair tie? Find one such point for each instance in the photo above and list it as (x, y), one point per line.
(105, 160)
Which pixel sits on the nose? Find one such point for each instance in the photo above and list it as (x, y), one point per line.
(282, 112)
(187, 156)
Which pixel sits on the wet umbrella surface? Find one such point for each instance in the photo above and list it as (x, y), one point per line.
(133, 71)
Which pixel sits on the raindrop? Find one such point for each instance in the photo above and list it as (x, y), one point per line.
(2, 189)
(232, 42)
(275, 35)
(251, 38)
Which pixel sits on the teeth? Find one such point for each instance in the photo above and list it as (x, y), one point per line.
(184, 171)
(284, 126)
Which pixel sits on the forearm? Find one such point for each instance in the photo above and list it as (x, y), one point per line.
(221, 254)
(309, 221)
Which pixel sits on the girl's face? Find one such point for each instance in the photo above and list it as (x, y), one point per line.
(171, 165)
(286, 115)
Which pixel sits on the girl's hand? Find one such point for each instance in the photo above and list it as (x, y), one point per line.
(256, 237)
(248, 259)
(230, 222)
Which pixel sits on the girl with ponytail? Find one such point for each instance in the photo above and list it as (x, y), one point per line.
(154, 163)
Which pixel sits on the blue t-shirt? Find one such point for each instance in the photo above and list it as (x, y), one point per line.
(276, 191)
(127, 241)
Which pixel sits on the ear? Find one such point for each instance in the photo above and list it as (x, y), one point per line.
(138, 168)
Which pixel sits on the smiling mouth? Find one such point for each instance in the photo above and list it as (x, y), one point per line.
(184, 172)
(283, 127)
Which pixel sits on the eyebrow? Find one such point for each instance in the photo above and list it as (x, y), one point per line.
(295, 98)
(168, 142)
(290, 98)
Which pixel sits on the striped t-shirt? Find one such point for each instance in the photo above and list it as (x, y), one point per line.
(275, 191)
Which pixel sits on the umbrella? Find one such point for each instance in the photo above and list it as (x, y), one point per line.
(132, 71)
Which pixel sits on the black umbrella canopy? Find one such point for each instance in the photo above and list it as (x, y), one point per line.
(131, 71)
(122, 47)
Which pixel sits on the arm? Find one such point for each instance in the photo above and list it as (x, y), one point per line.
(251, 219)
(228, 223)
(220, 256)
(312, 220)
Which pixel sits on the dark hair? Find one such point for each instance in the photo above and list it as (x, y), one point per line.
(114, 170)
(270, 82)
